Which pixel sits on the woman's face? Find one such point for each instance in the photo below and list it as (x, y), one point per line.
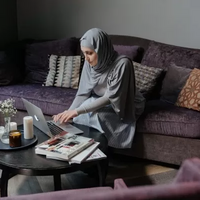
(90, 55)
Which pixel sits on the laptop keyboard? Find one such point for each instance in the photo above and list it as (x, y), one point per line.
(53, 128)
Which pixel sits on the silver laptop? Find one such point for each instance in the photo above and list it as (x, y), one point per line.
(50, 128)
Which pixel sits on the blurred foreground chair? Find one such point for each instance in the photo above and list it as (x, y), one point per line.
(186, 185)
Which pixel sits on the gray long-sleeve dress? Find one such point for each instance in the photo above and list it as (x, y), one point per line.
(96, 109)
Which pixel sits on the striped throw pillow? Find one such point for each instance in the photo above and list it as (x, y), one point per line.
(64, 71)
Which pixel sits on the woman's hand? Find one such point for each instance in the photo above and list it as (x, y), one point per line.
(65, 116)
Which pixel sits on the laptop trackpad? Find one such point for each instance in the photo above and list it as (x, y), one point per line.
(69, 128)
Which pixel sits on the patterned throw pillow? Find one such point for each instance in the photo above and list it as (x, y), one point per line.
(189, 96)
(64, 71)
(146, 77)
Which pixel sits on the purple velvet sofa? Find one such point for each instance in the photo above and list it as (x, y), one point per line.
(165, 132)
(186, 185)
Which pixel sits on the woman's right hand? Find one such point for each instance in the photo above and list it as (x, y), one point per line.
(57, 117)
(65, 116)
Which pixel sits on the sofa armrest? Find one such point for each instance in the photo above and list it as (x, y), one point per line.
(189, 171)
(190, 190)
(64, 194)
(119, 184)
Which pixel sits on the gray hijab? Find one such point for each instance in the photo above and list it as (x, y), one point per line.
(99, 41)
(117, 70)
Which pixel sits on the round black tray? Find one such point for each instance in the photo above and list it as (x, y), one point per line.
(24, 142)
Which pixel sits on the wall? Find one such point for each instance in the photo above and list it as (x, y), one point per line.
(8, 22)
(172, 21)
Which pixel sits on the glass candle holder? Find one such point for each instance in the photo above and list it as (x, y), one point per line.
(15, 138)
(5, 136)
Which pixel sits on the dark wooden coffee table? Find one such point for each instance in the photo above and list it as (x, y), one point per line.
(25, 161)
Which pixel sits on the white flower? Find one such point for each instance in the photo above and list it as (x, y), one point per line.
(7, 107)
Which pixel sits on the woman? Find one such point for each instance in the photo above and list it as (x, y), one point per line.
(107, 98)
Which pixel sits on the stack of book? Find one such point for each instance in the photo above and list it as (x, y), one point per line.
(71, 148)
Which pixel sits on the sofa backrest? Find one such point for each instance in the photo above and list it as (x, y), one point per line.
(31, 56)
(130, 41)
(161, 55)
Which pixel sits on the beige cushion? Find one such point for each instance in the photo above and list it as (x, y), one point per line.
(64, 71)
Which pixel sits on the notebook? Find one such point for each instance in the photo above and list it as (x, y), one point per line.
(50, 128)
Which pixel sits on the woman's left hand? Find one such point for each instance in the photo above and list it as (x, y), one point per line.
(65, 116)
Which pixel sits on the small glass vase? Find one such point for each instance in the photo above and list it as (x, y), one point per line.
(5, 136)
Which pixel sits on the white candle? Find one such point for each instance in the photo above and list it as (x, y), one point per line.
(13, 126)
(28, 127)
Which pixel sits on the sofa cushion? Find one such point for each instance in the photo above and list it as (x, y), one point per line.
(161, 55)
(173, 82)
(37, 61)
(146, 78)
(64, 71)
(189, 96)
(52, 100)
(135, 53)
(160, 117)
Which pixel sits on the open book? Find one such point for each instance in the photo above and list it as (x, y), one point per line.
(64, 145)
(97, 154)
(79, 158)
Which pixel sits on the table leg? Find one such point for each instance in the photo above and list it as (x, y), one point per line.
(100, 173)
(57, 182)
(4, 183)
(102, 167)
